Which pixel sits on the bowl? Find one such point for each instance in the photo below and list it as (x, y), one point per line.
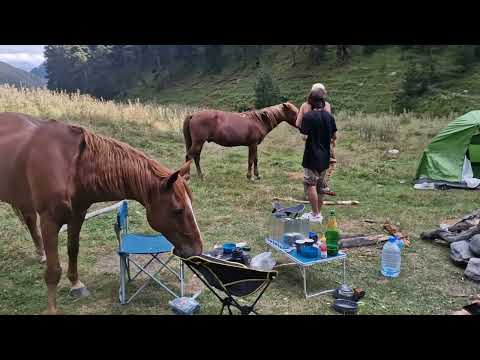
(346, 307)
(309, 252)
(309, 242)
(228, 248)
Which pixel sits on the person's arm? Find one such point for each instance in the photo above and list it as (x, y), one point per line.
(333, 144)
(328, 107)
(301, 112)
(333, 141)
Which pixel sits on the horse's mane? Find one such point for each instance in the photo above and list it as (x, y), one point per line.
(270, 116)
(112, 166)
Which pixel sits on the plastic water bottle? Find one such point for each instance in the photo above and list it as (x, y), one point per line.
(391, 258)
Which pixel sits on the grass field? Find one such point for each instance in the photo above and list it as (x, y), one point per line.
(229, 208)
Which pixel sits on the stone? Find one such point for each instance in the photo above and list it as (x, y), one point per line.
(473, 269)
(475, 245)
(460, 252)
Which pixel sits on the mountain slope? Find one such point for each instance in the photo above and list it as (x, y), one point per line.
(40, 71)
(13, 76)
(368, 83)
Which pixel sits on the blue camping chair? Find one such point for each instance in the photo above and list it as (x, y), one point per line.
(140, 244)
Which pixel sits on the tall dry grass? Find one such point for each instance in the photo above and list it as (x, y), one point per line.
(87, 109)
(388, 127)
(379, 127)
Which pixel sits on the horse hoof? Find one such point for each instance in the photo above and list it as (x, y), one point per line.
(79, 292)
(43, 259)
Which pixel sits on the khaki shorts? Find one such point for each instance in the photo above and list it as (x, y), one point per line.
(314, 178)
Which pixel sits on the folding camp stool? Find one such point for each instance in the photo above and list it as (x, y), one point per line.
(233, 279)
(141, 244)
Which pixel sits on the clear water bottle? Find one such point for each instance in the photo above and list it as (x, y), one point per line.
(391, 258)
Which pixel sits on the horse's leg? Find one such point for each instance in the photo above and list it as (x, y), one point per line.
(194, 153)
(250, 161)
(32, 220)
(50, 229)
(74, 227)
(255, 162)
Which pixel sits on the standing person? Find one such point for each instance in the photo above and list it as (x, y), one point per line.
(321, 130)
(306, 107)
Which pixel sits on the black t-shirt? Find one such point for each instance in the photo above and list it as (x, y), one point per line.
(320, 127)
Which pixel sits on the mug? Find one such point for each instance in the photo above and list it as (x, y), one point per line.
(299, 244)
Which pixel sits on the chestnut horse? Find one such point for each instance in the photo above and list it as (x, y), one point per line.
(57, 171)
(234, 129)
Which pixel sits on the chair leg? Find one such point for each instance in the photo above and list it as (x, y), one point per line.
(182, 278)
(123, 271)
(127, 265)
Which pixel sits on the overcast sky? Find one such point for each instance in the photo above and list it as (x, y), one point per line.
(22, 55)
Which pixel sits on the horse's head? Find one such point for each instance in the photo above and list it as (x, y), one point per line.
(290, 112)
(170, 212)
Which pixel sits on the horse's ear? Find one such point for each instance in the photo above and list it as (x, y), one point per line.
(286, 106)
(168, 182)
(185, 169)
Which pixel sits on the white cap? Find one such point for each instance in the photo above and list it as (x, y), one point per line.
(319, 86)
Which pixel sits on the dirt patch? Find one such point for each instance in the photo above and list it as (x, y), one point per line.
(109, 264)
(295, 175)
(193, 285)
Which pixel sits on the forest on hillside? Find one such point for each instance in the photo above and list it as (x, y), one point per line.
(110, 71)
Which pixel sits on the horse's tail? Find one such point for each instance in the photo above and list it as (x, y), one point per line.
(187, 135)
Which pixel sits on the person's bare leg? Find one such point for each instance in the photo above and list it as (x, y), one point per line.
(305, 191)
(320, 197)
(322, 184)
(313, 198)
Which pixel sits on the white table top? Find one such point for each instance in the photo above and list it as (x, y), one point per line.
(291, 253)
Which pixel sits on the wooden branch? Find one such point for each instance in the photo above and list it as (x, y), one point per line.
(97, 213)
(327, 202)
(361, 241)
(349, 236)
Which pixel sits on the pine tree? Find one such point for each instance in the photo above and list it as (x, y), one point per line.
(267, 92)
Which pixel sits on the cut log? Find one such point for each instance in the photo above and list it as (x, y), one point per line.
(349, 236)
(326, 202)
(362, 241)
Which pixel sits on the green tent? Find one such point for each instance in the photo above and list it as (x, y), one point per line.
(444, 157)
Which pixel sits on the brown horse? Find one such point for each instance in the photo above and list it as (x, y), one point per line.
(234, 129)
(58, 171)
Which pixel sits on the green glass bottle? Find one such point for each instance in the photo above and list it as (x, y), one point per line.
(332, 235)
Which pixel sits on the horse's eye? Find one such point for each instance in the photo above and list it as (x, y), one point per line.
(178, 211)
